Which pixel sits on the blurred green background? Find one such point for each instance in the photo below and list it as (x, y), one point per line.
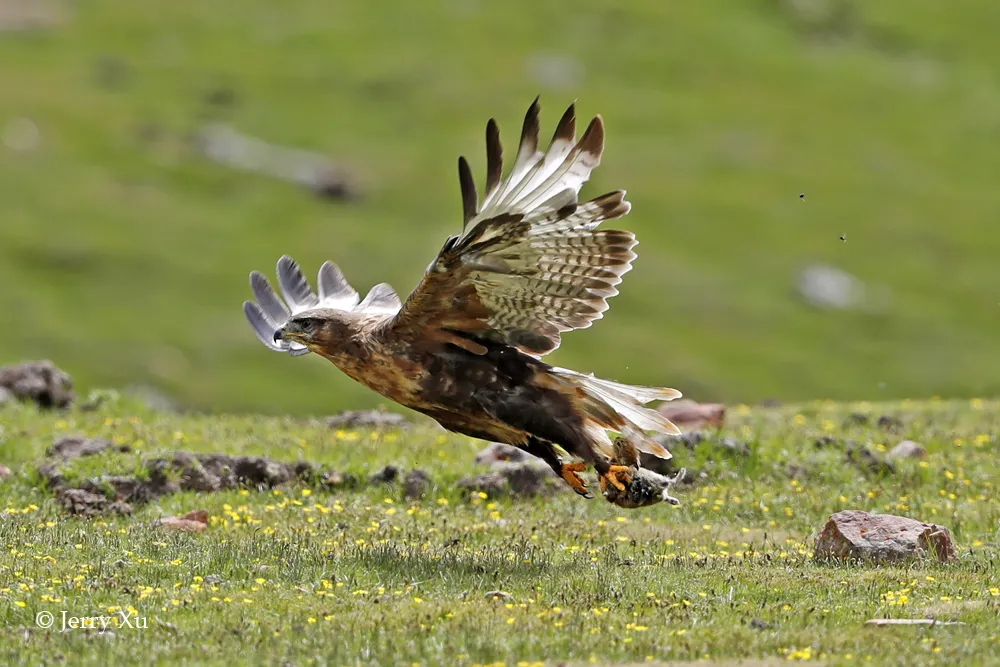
(124, 251)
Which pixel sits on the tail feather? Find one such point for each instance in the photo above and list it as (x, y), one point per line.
(619, 407)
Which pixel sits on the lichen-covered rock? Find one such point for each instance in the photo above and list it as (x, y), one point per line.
(854, 534)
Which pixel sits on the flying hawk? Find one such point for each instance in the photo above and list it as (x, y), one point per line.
(466, 347)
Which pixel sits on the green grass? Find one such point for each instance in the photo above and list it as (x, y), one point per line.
(364, 577)
(126, 261)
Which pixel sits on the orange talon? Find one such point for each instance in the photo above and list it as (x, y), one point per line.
(570, 473)
(612, 476)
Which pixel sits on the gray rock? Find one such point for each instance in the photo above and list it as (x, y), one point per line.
(4, 473)
(498, 452)
(83, 503)
(499, 595)
(908, 449)
(73, 446)
(831, 288)
(386, 475)
(866, 459)
(854, 534)
(516, 479)
(416, 484)
(38, 381)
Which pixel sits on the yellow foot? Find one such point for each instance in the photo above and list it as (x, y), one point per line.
(618, 476)
(570, 473)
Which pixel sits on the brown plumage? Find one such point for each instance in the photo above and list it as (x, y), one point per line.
(466, 346)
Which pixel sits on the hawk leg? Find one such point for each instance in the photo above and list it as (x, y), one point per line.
(569, 472)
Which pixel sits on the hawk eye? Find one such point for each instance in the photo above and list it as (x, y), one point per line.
(308, 323)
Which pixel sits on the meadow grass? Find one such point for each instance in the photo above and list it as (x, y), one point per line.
(299, 575)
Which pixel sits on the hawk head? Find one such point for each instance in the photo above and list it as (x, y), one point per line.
(319, 329)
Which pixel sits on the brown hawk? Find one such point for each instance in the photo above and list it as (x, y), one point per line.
(466, 346)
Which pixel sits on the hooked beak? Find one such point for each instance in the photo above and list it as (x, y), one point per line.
(289, 332)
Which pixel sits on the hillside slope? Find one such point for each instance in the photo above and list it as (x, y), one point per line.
(124, 253)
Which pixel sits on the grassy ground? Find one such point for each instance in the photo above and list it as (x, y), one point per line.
(126, 254)
(302, 576)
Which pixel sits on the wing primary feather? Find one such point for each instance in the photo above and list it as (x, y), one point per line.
(527, 152)
(573, 171)
(272, 307)
(334, 288)
(593, 137)
(494, 159)
(262, 326)
(380, 299)
(566, 129)
(294, 285)
(470, 201)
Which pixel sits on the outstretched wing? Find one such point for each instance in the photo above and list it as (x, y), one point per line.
(530, 263)
(269, 313)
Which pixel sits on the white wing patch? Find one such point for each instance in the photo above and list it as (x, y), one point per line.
(269, 313)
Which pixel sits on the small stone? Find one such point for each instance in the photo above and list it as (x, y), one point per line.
(854, 534)
(866, 459)
(73, 446)
(4, 473)
(795, 471)
(891, 424)
(379, 419)
(857, 419)
(195, 521)
(120, 507)
(691, 414)
(735, 446)
(492, 484)
(416, 484)
(527, 478)
(334, 479)
(908, 449)
(498, 595)
(386, 475)
(882, 622)
(84, 503)
(498, 452)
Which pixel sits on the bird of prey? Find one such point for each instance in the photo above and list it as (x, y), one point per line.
(466, 346)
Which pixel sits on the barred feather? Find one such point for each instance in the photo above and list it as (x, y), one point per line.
(532, 255)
